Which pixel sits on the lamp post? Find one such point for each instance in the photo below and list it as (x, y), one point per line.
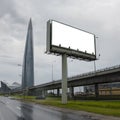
(94, 66)
(95, 63)
(96, 85)
(52, 70)
(53, 74)
(24, 90)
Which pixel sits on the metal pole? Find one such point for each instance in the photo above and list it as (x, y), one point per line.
(94, 67)
(64, 78)
(52, 77)
(52, 72)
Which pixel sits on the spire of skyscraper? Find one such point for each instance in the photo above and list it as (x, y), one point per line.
(28, 60)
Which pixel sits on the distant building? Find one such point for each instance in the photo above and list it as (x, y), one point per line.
(4, 87)
(104, 89)
(15, 86)
(28, 62)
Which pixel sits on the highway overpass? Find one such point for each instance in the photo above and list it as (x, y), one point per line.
(107, 75)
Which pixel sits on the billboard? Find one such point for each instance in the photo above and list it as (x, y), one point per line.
(65, 39)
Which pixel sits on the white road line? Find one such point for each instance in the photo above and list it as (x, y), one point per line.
(18, 108)
(15, 111)
(7, 102)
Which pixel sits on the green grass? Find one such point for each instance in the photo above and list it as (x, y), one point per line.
(111, 108)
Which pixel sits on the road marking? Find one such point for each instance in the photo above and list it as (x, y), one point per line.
(7, 102)
(18, 108)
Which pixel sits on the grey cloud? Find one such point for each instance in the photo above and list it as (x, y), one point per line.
(8, 8)
(99, 17)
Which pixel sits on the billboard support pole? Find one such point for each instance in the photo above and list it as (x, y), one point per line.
(64, 78)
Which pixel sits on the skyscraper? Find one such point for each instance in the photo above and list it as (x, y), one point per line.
(28, 61)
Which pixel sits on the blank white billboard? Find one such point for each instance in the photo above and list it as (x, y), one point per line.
(65, 39)
(67, 36)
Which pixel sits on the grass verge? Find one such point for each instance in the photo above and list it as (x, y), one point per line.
(111, 108)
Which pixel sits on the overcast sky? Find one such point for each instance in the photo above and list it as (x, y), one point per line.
(101, 17)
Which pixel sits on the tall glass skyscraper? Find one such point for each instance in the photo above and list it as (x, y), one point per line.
(28, 61)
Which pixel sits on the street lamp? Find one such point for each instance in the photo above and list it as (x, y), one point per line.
(53, 71)
(95, 63)
(97, 58)
(52, 74)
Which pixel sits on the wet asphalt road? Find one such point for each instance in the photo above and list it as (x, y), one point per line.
(16, 110)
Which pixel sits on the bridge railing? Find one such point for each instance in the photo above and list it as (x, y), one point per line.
(78, 76)
(97, 71)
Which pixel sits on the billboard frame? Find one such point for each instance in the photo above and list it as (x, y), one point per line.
(66, 52)
(59, 50)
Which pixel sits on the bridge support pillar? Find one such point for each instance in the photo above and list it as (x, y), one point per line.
(44, 93)
(53, 91)
(58, 92)
(71, 90)
(96, 91)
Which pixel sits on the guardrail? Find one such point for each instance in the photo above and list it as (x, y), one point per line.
(95, 72)
(81, 75)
